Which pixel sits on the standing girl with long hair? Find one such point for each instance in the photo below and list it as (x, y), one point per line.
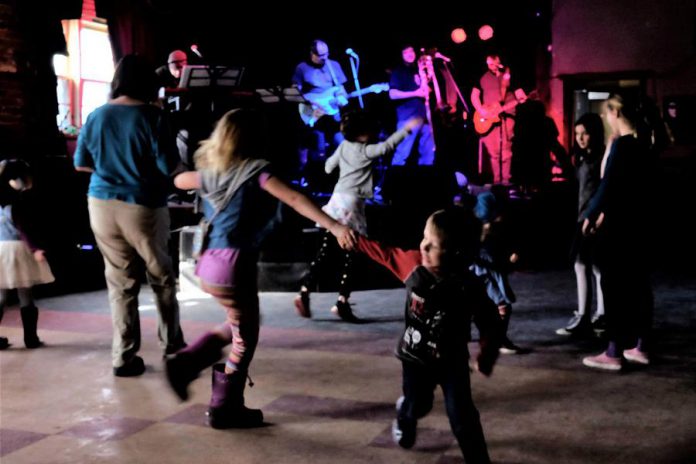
(617, 214)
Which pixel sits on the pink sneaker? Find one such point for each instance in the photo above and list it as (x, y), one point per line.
(602, 361)
(636, 356)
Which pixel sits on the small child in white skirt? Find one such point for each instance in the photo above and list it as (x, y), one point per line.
(354, 158)
(22, 265)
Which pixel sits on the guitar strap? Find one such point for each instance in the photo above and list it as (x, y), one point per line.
(504, 84)
(334, 79)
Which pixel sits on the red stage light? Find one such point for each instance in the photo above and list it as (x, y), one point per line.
(485, 32)
(458, 35)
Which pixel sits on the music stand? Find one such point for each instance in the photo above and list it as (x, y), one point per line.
(279, 94)
(211, 76)
(268, 95)
(293, 95)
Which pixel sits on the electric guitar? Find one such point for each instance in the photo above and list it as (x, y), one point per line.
(483, 124)
(329, 102)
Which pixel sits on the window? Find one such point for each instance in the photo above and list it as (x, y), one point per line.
(96, 69)
(64, 91)
(84, 76)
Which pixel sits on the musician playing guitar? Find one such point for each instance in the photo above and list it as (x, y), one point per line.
(492, 101)
(320, 77)
(329, 102)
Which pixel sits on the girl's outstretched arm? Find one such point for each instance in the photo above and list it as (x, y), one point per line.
(345, 235)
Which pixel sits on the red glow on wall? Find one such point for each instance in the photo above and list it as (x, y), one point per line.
(485, 32)
(89, 11)
(458, 35)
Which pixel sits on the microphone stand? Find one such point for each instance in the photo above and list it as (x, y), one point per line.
(505, 84)
(354, 63)
(447, 65)
(212, 75)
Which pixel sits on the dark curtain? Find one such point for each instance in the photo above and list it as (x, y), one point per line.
(132, 27)
(69, 9)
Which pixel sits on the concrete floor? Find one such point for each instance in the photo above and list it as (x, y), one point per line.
(328, 388)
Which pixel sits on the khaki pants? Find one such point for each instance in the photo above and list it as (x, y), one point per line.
(124, 232)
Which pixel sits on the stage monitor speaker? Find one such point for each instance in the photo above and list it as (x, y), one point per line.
(419, 186)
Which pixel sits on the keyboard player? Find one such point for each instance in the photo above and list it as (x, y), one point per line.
(170, 73)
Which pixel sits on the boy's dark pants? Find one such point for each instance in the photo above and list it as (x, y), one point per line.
(419, 383)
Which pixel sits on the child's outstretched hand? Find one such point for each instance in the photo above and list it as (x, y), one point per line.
(413, 123)
(346, 237)
(589, 228)
(39, 256)
(484, 368)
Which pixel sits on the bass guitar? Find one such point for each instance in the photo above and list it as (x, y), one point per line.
(329, 102)
(483, 124)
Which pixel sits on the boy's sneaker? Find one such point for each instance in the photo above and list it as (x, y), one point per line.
(400, 402)
(636, 356)
(508, 347)
(344, 311)
(602, 361)
(599, 324)
(579, 323)
(404, 433)
(302, 304)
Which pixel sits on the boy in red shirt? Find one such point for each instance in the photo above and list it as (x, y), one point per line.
(443, 297)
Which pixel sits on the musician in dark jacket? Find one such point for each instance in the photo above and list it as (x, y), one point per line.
(410, 89)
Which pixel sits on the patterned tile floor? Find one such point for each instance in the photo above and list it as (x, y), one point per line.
(327, 389)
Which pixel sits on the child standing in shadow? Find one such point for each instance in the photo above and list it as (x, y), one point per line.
(22, 264)
(497, 257)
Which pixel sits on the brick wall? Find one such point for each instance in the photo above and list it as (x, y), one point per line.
(12, 87)
(30, 34)
(89, 11)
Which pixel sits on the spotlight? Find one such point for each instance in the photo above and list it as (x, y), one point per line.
(458, 35)
(485, 32)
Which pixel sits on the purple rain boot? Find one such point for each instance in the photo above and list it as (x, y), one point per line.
(183, 367)
(227, 408)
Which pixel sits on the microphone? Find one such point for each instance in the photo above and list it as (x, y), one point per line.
(501, 67)
(350, 52)
(194, 49)
(442, 57)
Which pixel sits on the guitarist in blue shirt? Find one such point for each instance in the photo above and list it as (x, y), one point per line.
(320, 80)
